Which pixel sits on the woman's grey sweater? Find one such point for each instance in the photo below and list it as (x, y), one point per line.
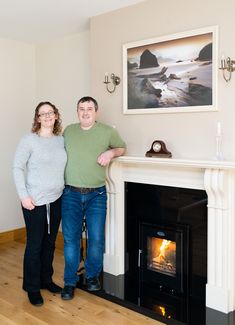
(38, 168)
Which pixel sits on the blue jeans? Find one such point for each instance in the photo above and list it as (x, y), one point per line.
(76, 206)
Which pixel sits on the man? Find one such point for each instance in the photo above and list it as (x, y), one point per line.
(90, 147)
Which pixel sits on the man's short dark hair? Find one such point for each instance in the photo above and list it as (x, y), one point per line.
(88, 99)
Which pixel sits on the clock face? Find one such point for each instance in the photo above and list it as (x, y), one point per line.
(157, 146)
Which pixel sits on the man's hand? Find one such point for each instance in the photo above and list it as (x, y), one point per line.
(28, 203)
(105, 158)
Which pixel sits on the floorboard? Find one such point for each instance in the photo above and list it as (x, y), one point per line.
(84, 309)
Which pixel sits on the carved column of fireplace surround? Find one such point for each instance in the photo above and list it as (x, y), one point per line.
(217, 179)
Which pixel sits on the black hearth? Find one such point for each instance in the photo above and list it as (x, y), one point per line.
(166, 251)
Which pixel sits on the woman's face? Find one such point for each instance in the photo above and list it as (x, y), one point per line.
(46, 116)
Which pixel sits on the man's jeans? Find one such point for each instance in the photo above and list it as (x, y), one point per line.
(76, 206)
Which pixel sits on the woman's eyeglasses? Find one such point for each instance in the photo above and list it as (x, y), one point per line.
(47, 114)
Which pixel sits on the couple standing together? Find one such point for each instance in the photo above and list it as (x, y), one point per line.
(44, 162)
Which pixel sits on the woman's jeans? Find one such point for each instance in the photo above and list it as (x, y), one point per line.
(76, 207)
(40, 246)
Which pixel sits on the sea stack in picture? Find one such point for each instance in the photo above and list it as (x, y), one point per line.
(148, 60)
(206, 53)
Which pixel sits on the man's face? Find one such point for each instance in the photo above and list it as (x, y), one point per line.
(87, 114)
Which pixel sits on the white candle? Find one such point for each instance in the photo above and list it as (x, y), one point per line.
(218, 129)
(223, 62)
(106, 77)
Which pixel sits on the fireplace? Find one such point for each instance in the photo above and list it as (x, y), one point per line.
(215, 266)
(163, 271)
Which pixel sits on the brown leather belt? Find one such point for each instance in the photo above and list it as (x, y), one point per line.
(82, 190)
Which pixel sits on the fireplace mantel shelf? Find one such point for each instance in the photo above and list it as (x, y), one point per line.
(214, 164)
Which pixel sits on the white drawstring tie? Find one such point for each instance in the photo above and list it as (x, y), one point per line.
(48, 217)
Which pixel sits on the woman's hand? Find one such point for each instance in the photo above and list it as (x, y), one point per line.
(28, 203)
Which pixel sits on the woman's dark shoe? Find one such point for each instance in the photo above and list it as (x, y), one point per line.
(35, 298)
(93, 284)
(52, 287)
(67, 292)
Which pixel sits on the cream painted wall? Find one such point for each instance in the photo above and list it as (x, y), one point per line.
(58, 71)
(63, 73)
(17, 96)
(187, 135)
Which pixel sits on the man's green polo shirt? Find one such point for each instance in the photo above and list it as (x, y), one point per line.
(83, 148)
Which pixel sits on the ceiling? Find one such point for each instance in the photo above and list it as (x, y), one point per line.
(39, 21)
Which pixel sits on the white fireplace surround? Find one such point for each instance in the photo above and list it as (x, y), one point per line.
(217, 178)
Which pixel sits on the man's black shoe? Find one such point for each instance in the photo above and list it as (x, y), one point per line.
(52, 287)
(35, 298)
(67, 292)
(93, 284)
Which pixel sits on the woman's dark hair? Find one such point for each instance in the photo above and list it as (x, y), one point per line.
(37, 125)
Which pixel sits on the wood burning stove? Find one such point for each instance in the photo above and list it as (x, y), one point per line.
(166, 251)
(164, 256)
(164, 269)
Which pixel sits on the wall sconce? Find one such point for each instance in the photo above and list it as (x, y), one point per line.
(229, 65)
(115, 80)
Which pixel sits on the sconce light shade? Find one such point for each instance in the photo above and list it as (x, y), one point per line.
(229, 65)
(115, 80)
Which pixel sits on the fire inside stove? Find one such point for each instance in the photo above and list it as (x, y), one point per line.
(163, 311)
(161, 256)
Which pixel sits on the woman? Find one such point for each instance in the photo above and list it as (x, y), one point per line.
(39, 165)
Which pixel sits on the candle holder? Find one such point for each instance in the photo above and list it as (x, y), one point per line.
(218, 143)
(227, 65)
(218, 152)
(114, 79)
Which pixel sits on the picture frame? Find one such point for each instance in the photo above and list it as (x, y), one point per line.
(172, 73)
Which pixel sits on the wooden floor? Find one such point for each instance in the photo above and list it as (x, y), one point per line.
(84, 309)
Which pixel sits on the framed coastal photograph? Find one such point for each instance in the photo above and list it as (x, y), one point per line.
(170, 74)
